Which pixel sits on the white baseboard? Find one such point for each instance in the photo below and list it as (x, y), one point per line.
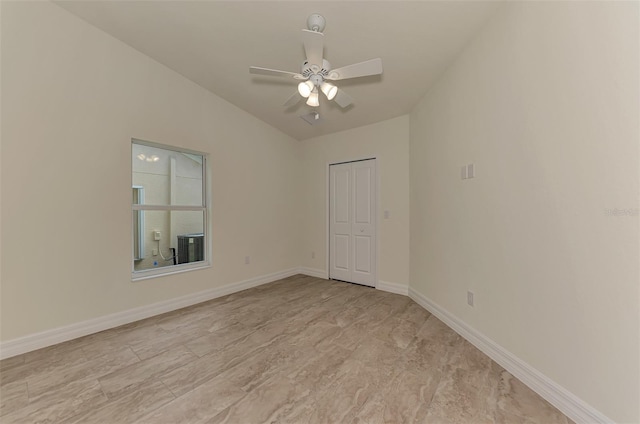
(569, 404)
(393, 288)
(382, 285)
(62, 334)
(313, 272)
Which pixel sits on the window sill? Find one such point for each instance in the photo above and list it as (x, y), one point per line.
(176, 269)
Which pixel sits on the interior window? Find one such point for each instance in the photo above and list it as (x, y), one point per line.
(169, 209)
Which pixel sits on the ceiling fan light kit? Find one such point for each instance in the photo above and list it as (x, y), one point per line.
(315, 70)
(313, 99)
(305, 88)
(329, 90)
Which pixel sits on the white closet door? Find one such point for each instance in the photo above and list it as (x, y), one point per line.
(352, 222)
(340, 222)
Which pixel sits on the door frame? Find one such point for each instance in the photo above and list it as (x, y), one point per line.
(327, 200)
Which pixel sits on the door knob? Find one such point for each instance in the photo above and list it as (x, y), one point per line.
(362, 230)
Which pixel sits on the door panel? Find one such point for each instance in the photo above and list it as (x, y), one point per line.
(352, 222)
(342, 190)
(363, 226)
(363, 254)
(362, 195)
(341, 249)
(340, 222)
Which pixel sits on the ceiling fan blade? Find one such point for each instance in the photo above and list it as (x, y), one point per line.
(362, 69)
(343, 99)
(274, 73)
(294, 99)
(313, 46)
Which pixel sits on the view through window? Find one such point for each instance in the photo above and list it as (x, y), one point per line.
(169, 209)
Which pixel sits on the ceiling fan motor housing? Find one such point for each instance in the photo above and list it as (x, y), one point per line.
(309, 70)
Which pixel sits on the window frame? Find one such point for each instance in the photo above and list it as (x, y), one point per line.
(204, 209)
(138, 227)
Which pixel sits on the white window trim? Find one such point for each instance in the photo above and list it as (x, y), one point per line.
(205, 208)
(140, 234)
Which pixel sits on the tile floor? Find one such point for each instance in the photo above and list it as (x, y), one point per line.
(299, 350)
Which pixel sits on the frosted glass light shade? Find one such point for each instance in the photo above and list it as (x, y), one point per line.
(305, 88)
(329, 90)
(313, 99)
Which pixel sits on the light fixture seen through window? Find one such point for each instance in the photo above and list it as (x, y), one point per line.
(152, 158)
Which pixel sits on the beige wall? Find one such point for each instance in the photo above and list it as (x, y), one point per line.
(388, 141)
(545, 104)
(72, 99)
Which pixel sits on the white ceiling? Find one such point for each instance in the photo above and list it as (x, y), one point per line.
(213, 43)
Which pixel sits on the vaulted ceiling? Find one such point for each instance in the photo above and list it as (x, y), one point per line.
(213, 43)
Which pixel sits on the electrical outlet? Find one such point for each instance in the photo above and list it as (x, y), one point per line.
(154, 252)
(247, 260)
(470, 298)
(313, 255)
(471, 172)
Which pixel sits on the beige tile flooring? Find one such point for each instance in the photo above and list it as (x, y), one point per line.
(299, 350)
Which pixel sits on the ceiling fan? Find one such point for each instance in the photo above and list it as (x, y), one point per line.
(316, 71)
